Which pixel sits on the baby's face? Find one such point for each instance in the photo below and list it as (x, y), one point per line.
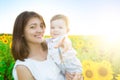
(58, 28)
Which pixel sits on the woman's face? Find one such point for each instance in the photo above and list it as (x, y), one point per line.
(34, 31)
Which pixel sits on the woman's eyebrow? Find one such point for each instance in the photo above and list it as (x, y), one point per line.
(32, 24)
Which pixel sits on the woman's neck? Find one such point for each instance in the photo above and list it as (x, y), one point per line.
(37, 53)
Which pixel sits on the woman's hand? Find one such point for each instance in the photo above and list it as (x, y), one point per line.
(73, 76)
(69, 76)
(78, 76)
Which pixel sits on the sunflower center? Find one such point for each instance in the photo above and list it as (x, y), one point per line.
(89, 73)
(103, 71)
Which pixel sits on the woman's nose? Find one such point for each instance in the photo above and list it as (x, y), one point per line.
(39, 29)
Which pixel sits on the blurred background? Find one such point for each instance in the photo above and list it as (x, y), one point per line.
(94, 32)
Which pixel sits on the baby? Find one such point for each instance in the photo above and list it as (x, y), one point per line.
(65, 58)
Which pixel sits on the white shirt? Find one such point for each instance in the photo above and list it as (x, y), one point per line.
(41, 70)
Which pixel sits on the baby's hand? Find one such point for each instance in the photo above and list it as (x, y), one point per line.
(65, 43)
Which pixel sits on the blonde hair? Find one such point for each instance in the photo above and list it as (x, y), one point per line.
(61, 16)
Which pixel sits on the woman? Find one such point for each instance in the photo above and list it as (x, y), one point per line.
(31, 52)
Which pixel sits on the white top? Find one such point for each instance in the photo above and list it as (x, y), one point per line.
(69, 62)
(41, 70)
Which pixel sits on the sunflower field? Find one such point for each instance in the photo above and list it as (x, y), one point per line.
(99, 57)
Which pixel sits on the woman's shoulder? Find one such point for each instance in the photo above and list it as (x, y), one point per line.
(20, 62)
(22, 68)
(24, 63)
(25, 72)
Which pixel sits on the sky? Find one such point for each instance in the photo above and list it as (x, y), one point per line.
(86, 17)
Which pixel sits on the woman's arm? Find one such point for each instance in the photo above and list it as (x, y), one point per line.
(23, 73)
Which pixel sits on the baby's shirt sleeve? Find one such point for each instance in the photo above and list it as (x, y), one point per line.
(70, 61)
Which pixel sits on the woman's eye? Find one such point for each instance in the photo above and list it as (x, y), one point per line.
(32, 27)
(42, 25)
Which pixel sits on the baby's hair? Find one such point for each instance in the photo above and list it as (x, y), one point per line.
(60, 16)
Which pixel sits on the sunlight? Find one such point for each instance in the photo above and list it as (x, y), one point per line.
(111, 42)
(112, 39)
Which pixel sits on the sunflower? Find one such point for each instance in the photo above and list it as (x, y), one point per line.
(78, 44)
(118, 77)
(3, 36)
(81, 43)
(5, 41)
(104, 71)
(10, 37)
(0, 38)
(88, 70)
(87, 63)
(91, 44)
(10, 44)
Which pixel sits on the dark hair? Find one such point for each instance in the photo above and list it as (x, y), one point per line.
(20, 49)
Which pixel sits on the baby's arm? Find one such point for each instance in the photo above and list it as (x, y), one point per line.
(72, 64)
(67, 45)
(64, 43)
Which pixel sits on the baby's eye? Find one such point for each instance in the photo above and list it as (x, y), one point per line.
(60, 27)
(52, 27)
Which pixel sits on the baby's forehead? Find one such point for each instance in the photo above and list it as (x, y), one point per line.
(60, 22)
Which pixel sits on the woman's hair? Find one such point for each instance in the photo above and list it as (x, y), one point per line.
(20, 49)
(60, 16)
